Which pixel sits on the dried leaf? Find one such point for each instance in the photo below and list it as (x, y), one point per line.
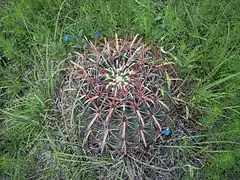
(133, 41)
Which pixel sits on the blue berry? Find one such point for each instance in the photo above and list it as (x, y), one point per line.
(96, 34)
(66, 37)
(167, 132)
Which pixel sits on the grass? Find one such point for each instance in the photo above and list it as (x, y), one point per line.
(205, 37)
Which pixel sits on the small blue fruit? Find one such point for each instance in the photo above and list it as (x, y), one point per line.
(96, 34)
(66, 37)
(167, 132)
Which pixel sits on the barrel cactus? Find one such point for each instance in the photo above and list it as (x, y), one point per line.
(120, 93)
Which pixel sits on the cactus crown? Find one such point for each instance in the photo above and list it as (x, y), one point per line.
(123, 93)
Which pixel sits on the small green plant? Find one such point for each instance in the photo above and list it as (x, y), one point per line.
(123, 92)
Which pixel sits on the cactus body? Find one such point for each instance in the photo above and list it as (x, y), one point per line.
(122, 93)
